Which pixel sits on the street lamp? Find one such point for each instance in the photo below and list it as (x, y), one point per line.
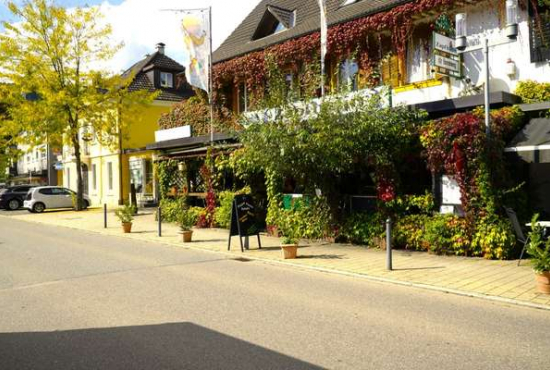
(461, 45)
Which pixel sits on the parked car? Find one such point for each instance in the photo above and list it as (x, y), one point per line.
(12, 198)
(51, 197)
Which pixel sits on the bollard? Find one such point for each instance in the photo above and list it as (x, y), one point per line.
(159, 216)
(104, 215)
(388, 245)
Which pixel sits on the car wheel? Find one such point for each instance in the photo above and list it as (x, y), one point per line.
(13, 204)
(38, 207)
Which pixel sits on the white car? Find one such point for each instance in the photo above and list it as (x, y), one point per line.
(50, 197)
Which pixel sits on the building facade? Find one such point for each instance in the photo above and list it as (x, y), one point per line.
(110, 169)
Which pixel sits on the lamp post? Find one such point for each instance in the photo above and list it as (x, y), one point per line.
(461, 45)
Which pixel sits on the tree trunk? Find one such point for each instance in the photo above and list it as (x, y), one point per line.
(79, 182)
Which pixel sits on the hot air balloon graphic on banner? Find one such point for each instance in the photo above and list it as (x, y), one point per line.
(196, 36)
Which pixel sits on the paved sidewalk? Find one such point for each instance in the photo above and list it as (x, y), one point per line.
(497, 280)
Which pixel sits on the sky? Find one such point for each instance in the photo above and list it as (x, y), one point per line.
(141, 24)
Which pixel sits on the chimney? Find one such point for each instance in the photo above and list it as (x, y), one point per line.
(160, 47)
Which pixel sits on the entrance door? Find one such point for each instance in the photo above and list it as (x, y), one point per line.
(85, 178)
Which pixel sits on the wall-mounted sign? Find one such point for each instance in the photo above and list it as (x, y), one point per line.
(446, 60)
(444, 44)
(173, 133)
(450, 191)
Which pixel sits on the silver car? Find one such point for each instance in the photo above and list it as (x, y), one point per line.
(51, 197)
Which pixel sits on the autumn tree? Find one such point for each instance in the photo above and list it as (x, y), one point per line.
(54, 85)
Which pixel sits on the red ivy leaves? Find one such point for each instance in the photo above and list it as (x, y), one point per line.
(343, 39)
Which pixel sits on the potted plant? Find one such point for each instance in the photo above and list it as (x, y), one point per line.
(126, 215)
(539, 250)
(289, 238)
(186, 220)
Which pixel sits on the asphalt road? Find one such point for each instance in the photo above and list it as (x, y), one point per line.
(76, 300)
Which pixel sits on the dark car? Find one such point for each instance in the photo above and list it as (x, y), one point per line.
(12, 197)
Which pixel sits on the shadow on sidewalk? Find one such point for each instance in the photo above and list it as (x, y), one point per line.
(323, 256)
(165, 346)
(420, 268)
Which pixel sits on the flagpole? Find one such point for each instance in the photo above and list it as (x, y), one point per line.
(210, 82)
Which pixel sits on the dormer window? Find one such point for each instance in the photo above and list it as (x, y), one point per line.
(275, 20)
(166, 79)
(348, 2)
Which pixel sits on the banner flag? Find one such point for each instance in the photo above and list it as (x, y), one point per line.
(323, 8)
(197, 38)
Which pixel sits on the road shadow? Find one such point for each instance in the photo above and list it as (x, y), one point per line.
(166, 346)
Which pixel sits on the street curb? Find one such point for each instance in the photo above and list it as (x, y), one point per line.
(463, 293)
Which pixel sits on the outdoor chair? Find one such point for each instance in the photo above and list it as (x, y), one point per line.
(517, 230)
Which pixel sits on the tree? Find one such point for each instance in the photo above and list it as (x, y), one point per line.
(55, 90)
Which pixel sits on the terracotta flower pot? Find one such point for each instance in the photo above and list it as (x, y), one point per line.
(127, 227)
(289, 251)
(543, 282)
(187, 235)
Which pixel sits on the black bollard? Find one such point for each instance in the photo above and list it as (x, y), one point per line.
(159, 216)
(104, 215)
(388, 245)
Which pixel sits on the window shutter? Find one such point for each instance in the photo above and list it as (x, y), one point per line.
(392, 72)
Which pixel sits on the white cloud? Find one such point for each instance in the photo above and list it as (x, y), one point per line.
(141, 24)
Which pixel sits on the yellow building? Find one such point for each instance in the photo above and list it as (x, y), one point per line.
(109, 170)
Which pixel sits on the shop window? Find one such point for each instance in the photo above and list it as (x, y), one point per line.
(418, 60)
(348, 75)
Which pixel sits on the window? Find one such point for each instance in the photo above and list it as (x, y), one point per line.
(418, 60)
(274, 20)
(46, 191)
(68, 177)
(166, 79)
(279, 28)
(348, 2)
(539, 32)
(94, 176)
(348, 76)
(110, 174)
(243, 98)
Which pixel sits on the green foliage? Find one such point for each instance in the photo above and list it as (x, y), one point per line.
(222, 215)
(446, 234)
(187, 219)
(126, 213)
(408, 232)
(172, 208)
(51, 52)
(493, 238)
(166, 171)
(538, 249)
(362, 227)
(412, 204)
(312, 221)
(532, 91)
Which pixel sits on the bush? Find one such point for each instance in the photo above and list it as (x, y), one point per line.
(493, 238)
(533, 92)
(361, 228)
(171, 209)
(222, 214)
(447, 234)
(412, 204)
(537, 248)
(310, 221)
(408, 232)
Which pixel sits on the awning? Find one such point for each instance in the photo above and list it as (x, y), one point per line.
(532, 144)
(190, 143)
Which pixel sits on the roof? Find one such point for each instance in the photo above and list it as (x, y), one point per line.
(143, 82)
(307, 21)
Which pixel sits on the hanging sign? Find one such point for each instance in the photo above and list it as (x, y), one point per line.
(446, 60)
(243, 219)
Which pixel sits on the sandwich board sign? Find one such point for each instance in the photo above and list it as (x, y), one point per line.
(243, 220)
